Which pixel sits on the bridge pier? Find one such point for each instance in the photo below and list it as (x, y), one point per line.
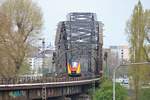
(7, 96)
(27, 95)
(60, 98)
(67, 98)
(82, 97)
(3, 96)
(74, 97)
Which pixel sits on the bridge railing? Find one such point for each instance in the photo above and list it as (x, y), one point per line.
(40, 79)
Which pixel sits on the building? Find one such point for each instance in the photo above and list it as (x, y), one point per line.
(121, 52)
(41, 61)
(116, 55)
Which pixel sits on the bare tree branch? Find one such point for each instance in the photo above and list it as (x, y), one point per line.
(19, 21)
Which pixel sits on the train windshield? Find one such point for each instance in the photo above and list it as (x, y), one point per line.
(74, 64)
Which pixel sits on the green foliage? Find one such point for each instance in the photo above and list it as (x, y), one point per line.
(136, 34)
(137, 29)
(105, 92)
(145, 94)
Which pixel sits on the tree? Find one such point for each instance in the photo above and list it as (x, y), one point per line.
(105, 92)
(25, 68)
(23, 22)
(137, 29)
(5, 60)
(147, 29)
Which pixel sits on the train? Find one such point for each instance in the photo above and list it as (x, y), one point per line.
(74, 69)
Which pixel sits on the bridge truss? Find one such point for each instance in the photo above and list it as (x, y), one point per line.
(79, 38)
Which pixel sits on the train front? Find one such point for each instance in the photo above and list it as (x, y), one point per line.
(74, 68)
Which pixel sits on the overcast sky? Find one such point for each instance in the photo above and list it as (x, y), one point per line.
(113, 13)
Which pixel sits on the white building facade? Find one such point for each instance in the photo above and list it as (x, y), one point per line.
(116, 55)
(42, 61)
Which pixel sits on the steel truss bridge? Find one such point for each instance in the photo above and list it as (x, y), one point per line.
(78, 38)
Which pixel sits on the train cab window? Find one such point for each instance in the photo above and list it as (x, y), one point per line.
(74, 65)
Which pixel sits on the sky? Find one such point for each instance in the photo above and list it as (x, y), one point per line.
(113, 13)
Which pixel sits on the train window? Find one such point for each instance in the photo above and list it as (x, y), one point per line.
(74, 65)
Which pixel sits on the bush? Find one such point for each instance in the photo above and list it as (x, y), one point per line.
(145, 94)
(105, 92)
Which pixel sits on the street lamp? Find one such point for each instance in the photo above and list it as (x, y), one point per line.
(122, 56)
(114, 74)
(106, 69)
